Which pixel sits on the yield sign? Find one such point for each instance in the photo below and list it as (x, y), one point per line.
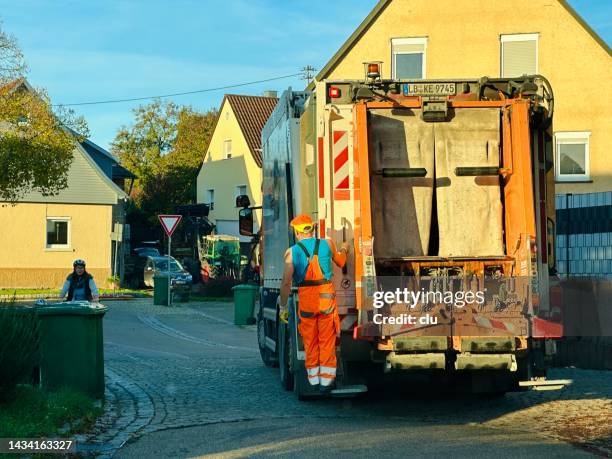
(169, 222)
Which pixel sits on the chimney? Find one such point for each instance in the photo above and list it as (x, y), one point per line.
(270, 93)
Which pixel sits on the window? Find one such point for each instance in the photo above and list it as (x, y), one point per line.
(241, 190)
(58, 233)
(227, 148)
(408, 57)
(519, 54)
(210, 198)
(572, 156)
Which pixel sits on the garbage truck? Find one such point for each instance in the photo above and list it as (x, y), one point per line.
(443, 187)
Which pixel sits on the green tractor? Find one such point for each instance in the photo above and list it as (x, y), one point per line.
(220, 257)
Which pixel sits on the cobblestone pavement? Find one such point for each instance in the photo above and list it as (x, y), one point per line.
(188, 366)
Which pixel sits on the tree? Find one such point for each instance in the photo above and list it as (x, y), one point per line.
(12, 63)
(141, 147)
(165, 148)
(36, 144)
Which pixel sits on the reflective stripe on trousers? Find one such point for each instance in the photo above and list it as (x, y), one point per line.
(313, 375)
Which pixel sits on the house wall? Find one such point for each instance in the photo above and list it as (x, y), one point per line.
(25, 262)
(223, 175)
(86, 184)
(464, 42)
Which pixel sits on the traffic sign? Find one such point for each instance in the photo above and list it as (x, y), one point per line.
(169, 222)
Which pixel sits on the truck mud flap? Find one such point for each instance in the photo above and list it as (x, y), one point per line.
(486, 362)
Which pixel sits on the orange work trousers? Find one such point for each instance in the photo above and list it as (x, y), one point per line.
(318, 330)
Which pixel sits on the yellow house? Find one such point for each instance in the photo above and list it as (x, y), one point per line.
(417, 39)
(42, 235)
(232, 165)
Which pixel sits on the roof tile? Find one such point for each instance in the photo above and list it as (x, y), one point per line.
(252, 112)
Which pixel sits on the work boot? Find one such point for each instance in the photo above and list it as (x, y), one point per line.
(325, 390)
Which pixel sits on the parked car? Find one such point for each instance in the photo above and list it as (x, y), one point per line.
(158, 265)
(135, 263)
(145, 252)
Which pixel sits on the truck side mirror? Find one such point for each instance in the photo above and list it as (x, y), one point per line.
(243, 201)
(245, 222)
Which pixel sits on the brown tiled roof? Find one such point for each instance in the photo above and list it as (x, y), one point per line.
(10, 86)
(252, 113)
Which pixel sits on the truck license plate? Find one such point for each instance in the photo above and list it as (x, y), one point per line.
(430, 89)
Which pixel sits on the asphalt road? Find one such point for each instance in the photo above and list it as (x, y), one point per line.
(185, 382)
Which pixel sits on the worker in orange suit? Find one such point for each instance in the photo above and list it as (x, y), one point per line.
(308, 265)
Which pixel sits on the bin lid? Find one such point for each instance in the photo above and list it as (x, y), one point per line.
(82, 308)
(245, 287)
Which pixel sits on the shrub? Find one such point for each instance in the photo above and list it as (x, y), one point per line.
(19, 345)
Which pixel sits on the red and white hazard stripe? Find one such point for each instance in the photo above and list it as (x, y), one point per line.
(493, 323)
(340, 153)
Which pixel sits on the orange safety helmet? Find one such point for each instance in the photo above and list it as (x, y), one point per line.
(302, 223)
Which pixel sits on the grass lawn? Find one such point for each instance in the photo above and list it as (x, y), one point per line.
(48, 291)
(31, 412)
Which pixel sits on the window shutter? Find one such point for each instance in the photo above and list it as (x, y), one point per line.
(519, 58)
(408, 48)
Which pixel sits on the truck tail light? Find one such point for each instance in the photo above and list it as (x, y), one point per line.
(334, 92)
(373, 70)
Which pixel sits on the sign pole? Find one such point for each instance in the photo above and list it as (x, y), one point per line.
(169, 223)
(115, 266)
(169, 283)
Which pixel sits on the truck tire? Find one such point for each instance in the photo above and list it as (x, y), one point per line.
(267, 357)
(284, 356)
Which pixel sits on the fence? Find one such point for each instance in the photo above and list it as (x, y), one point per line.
(587, 320)
(584, 234)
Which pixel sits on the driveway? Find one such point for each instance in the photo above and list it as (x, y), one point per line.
(184, 382)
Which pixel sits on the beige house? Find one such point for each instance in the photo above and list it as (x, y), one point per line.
(232, 165)
(42, 236)
(415, 39)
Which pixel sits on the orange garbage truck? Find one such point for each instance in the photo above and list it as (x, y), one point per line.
(445, 189)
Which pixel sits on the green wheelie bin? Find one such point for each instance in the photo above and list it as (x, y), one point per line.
(160, 290)
(72, 347)
(244, 303)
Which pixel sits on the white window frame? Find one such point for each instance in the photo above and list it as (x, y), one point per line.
(573, 138)
(505, 38)
(227, 154)
(210, 192)
(59, 247)
(237, 190)
(409, 41)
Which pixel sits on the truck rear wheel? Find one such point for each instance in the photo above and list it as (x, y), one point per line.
(284, 356)
(267, 357)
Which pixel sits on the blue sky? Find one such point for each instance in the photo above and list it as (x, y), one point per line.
(86, 51)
